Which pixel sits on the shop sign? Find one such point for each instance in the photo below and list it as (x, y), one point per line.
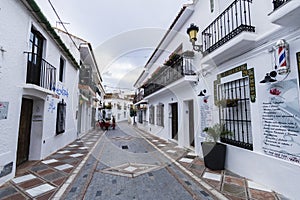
(281, 121)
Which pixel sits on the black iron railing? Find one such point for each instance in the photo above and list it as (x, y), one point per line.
(234, 20)
(169, 74)
(138, 97)
(40, 72)
(278, 3)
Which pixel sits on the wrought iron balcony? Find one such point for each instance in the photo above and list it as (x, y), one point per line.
(40, 72)
(234, 20)
(286, 13)
(278, 3)
(138, 97)
(164, 76)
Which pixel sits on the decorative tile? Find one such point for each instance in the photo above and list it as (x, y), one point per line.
(39, 190)
(54, 176)
(76, 155)
(30, 183)
(130, 169)
(171, 151)
(63, 152)
(73, 145)
(258, 194)
(24, 178)
(234, 190)
(192, 154)
(49, 161)
(39, 168)
(63, 167)
(7, 191)
(211, 176)
(186, 160)
(235, 181)
(89, 142)
(257, 186)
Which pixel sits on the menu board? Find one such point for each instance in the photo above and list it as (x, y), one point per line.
(205, 114)
(281, 121)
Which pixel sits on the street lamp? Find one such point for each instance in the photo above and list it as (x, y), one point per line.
(192, 32)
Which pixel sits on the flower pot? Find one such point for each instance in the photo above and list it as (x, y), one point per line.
(214, 155)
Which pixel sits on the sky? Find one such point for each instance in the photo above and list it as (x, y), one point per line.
(123, 33)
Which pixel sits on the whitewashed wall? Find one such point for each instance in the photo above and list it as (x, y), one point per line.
(14, 39)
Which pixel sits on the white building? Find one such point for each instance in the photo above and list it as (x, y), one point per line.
(250, 52)
(90, 82)
(39, 95)
(117, 105)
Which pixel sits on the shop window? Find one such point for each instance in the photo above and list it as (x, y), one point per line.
(160, 114)
(151, 114)
(234, 110)
(61, 117)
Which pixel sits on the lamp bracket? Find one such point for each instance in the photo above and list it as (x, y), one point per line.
(197, 47)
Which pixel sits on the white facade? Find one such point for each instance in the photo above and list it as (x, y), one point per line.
(120, 107)
(90, 82)
(42, 98)
(270, 153)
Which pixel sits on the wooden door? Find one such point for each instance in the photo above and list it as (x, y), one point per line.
(24, 131)
(191, 123)
(35, 58)
(174, 108)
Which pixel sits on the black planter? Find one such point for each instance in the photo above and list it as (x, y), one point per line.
(214, 155)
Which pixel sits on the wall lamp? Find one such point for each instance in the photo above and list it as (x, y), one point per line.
(202, 93)
(192, 31)
(270, 77)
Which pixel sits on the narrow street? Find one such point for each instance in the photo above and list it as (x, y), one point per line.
(124, 165)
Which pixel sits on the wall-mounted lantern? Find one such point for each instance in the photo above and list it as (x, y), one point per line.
(192, 31)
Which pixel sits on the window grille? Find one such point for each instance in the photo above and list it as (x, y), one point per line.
(61, 117)
(151, 114)
(235, 112)
(160, 115)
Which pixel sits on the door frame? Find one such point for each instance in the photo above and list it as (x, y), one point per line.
(26, 106)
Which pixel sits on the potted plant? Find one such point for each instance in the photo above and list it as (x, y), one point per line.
(214, 153)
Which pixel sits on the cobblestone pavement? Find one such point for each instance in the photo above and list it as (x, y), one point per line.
(127, 163)
(125, 166)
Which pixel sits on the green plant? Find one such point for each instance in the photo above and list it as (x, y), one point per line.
(215, 132)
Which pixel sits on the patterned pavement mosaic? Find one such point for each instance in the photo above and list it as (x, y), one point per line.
(229, 184)
(44, 179)
(41, 179)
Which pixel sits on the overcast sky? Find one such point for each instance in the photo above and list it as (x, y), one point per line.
(123, 33)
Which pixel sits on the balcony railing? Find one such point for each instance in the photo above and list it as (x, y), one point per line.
(278, 3)
(234, 20)
(169, 74)
(40, 72)
(138, 97)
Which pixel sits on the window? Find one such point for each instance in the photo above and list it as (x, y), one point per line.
(160, 114)
(62, 64)
(151, 114)
(235, 112)
(61, 117)
(35, 54)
